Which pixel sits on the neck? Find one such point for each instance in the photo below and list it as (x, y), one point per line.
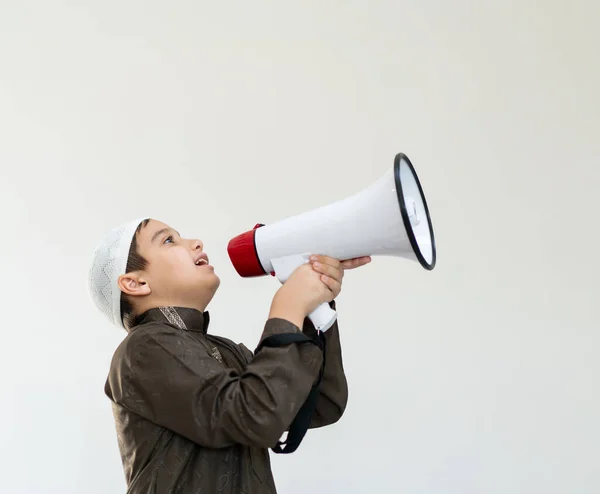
(145, 305)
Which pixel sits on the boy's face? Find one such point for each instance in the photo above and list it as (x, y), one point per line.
(174, 274)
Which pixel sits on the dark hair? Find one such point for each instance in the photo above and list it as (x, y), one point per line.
(135, 262)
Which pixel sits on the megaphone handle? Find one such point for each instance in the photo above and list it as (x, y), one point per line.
(323, 316)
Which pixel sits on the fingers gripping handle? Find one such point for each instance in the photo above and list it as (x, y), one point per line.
(323, 316)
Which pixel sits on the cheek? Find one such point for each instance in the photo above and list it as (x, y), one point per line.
(172, 266)
(179, 271)
(175, 256)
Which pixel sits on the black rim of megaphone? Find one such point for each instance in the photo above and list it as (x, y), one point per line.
(404, 212)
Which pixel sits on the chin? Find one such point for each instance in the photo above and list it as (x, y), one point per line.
(217, 282)
(212, 286)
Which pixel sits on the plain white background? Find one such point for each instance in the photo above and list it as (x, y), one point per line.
(478, 377)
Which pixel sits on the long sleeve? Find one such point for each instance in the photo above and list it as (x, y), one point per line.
(163, 379)
(333, 395)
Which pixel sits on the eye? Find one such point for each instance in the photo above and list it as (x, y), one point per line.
(168, 239)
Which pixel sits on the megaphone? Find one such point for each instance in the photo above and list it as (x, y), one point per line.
(389, 218)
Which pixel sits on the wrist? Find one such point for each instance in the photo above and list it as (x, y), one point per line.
(282, 309)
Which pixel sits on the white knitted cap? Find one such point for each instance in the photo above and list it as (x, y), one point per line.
(109, 261)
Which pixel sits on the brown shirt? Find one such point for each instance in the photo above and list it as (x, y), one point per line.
(196, 413)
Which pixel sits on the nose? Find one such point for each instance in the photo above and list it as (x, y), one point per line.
(197, 245)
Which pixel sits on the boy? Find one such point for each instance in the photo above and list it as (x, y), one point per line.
(196, 413)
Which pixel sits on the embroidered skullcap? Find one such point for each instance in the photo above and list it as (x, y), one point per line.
(109, 261)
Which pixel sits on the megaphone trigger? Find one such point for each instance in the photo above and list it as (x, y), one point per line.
(285, 266)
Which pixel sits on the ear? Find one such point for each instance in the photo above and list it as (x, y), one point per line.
(134, 284)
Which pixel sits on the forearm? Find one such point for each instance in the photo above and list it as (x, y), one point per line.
(271, 390)
(333, 395)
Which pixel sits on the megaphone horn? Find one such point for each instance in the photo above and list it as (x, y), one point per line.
(389, 218)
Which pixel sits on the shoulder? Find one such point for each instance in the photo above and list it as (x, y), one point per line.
(152, 345)
(143, 337)
(151, 351)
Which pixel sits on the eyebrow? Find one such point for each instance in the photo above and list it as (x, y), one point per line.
(163, 231)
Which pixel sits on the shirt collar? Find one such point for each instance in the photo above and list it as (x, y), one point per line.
(183, 318)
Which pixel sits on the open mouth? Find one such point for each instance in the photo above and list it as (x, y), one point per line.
(202, 260)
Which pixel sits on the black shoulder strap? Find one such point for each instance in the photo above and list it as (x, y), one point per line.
(301, 422)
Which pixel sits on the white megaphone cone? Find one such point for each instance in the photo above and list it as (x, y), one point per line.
(389, 218)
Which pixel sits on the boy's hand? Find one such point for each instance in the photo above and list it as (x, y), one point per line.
(332, 270)
(309, 286)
